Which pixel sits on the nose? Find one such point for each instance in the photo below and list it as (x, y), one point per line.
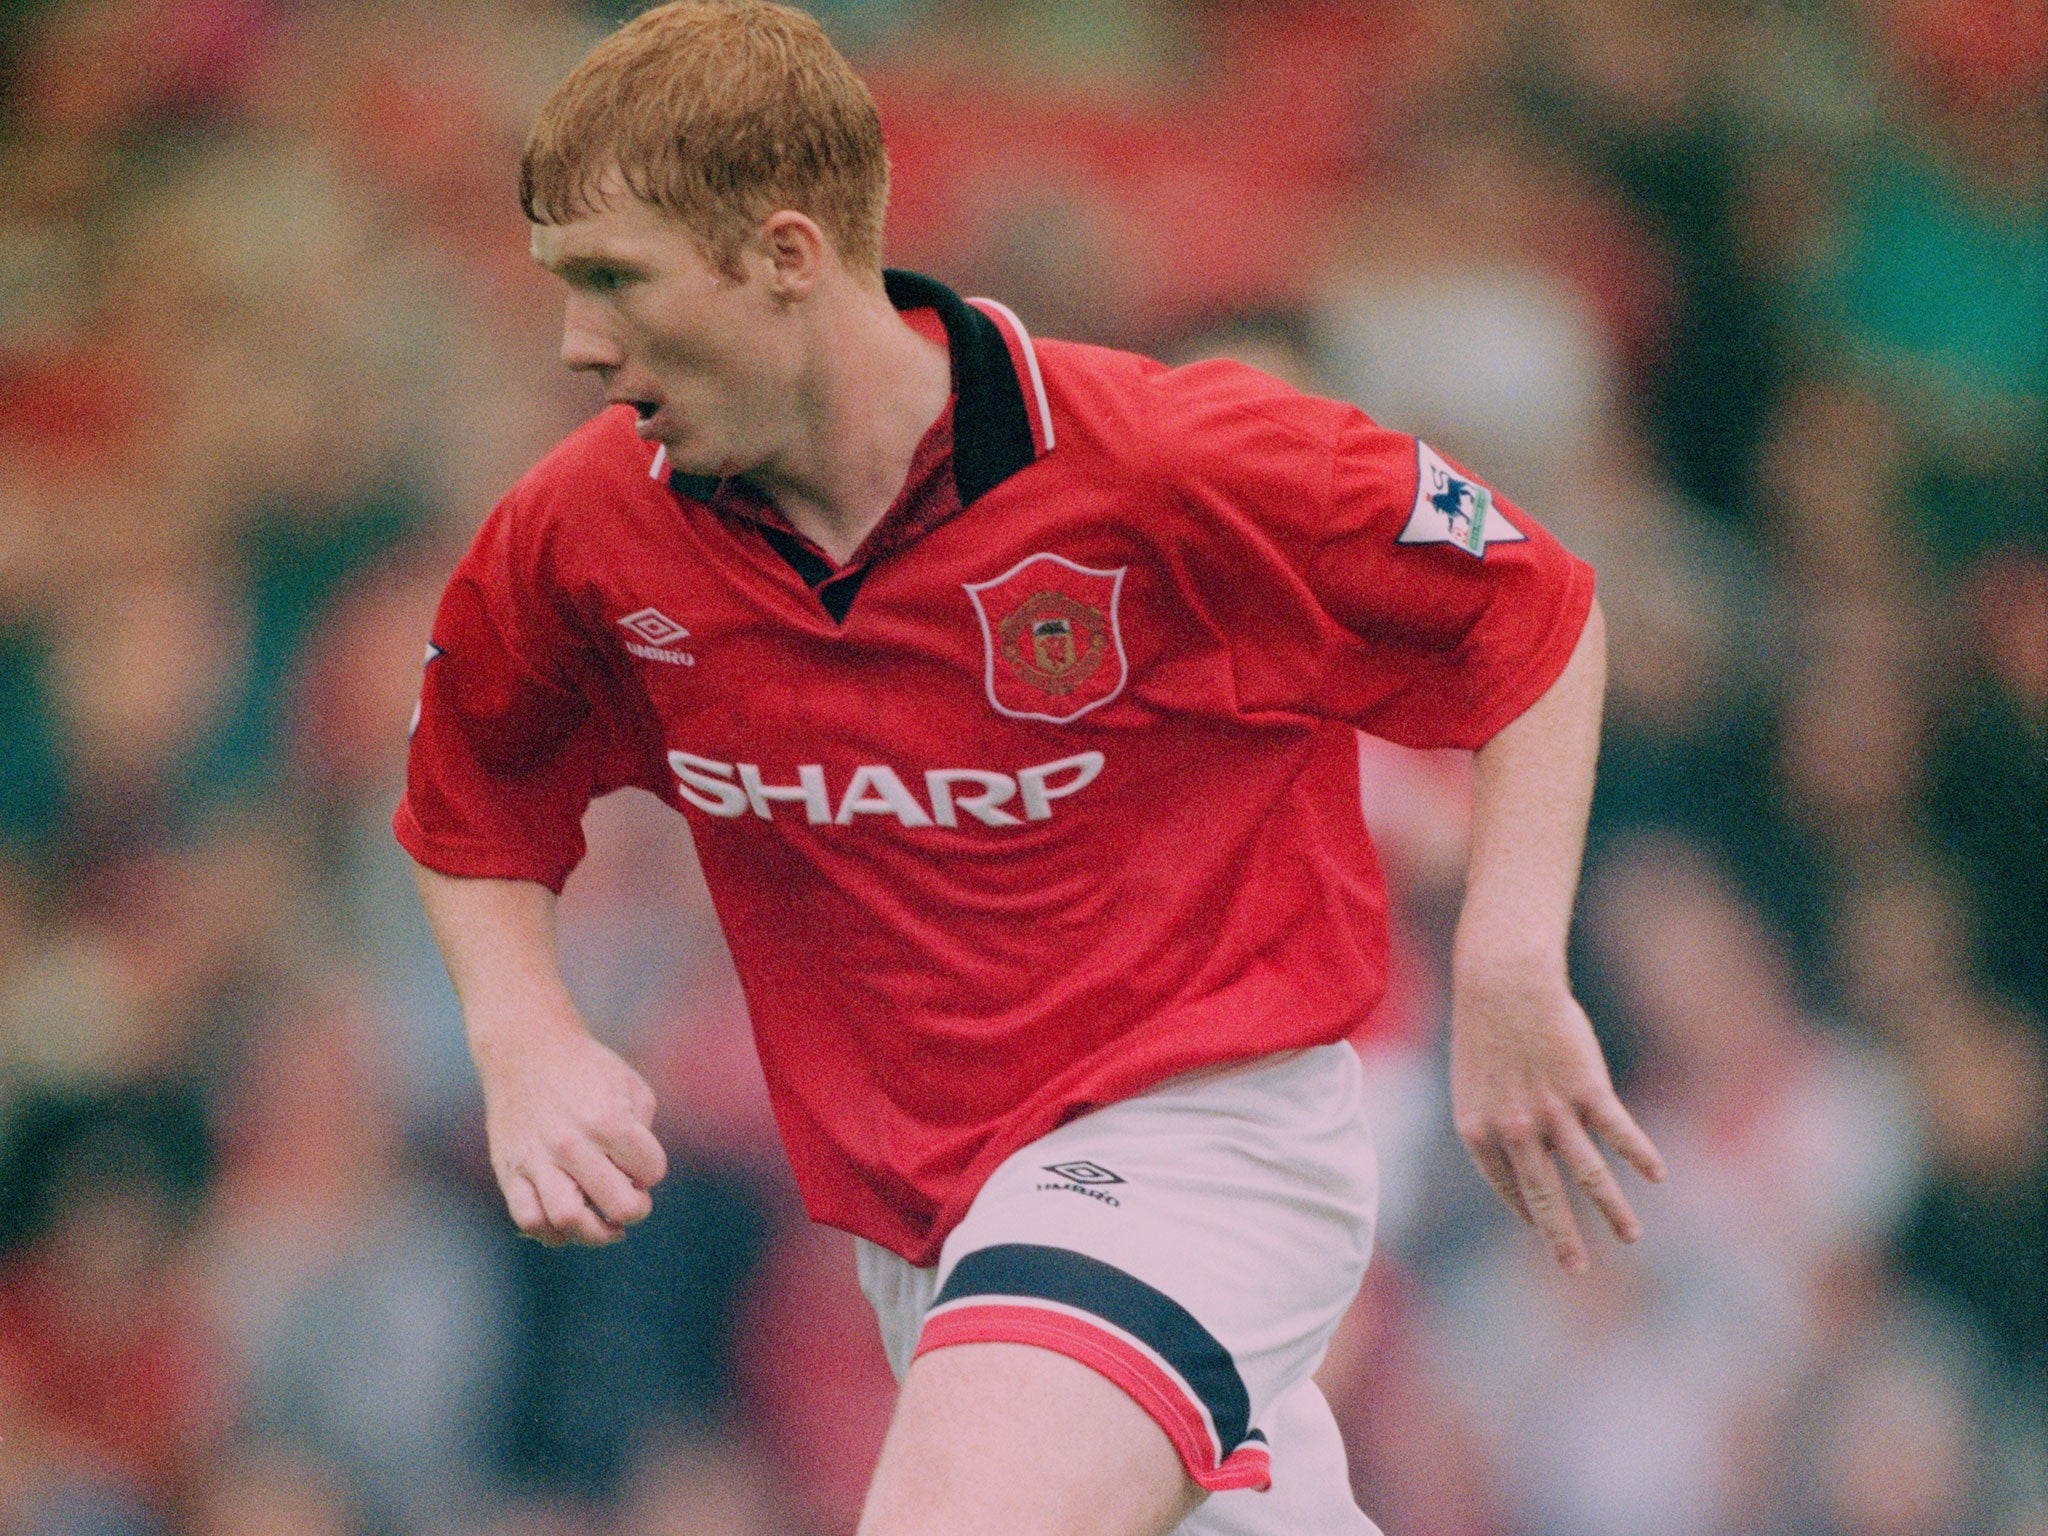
(588, 342)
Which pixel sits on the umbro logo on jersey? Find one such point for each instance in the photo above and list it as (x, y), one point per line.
(1453, 508)
(656, 632)
(653, 626)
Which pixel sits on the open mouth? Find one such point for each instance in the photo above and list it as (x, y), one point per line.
(644, 409)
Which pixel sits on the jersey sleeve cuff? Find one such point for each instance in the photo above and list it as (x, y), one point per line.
(1544, 664)
(467, 859)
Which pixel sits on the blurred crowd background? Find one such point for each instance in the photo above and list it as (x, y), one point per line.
(1748, 301)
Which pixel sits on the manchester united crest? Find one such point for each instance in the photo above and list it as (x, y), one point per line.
(1050, 640)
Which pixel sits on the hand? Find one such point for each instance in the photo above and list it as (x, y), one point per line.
(1529, 1091)
(569, 1127)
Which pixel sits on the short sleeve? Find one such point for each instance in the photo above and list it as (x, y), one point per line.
(520, 724)
(1358, 577)
(1467, 608)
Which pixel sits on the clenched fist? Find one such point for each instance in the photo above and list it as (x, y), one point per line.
(569, 1127)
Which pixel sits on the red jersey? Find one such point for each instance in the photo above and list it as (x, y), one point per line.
(1051, 791)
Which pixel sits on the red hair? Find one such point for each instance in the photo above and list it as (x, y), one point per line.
(720, 112)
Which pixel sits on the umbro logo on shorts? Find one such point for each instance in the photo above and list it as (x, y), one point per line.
(1084, 1178)
(1084, 1173)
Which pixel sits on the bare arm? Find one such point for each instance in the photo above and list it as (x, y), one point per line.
(568, 1120)
(1529, 1089)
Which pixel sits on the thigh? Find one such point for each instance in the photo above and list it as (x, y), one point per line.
(1192, 1248)
(992, 1439)
(1196, 1245)
(1124, 1317)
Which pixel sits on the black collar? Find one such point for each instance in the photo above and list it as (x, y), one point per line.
(991, 426)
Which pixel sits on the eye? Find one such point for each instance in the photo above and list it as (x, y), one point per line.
(601, 279)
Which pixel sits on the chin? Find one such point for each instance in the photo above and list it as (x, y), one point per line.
(711, 466)
(691, 460)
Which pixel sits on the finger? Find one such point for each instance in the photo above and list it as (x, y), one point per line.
(641, 1098)
(1500, 1173)
(1550, 1207)
(616, 1198)
(522, 1201)
(1617, 1127)
(1589, 1170)
(569, 1216)
(636, 1150)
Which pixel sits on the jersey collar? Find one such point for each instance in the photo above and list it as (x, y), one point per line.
(993, 429)
(1001, 421)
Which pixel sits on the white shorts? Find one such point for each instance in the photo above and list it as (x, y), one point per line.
(1197, 1245)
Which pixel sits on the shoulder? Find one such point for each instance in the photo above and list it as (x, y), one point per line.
(1204, 416)
(603, 460)
(1219, 429)
(597, 476)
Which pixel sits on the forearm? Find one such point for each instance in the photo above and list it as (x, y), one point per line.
(1529, 1090)
(1533, 787)
(567, 1120)
(497, 938)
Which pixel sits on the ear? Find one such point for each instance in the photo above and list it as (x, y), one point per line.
(797, 252)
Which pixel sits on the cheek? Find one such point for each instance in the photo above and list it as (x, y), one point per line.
(736, 378)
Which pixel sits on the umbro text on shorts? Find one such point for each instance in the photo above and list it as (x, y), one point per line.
(1197, 1246)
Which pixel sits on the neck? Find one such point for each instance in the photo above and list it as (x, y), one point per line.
(873, 389)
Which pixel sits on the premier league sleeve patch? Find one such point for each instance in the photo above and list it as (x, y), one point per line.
(1051, 646)
(1452, 508)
